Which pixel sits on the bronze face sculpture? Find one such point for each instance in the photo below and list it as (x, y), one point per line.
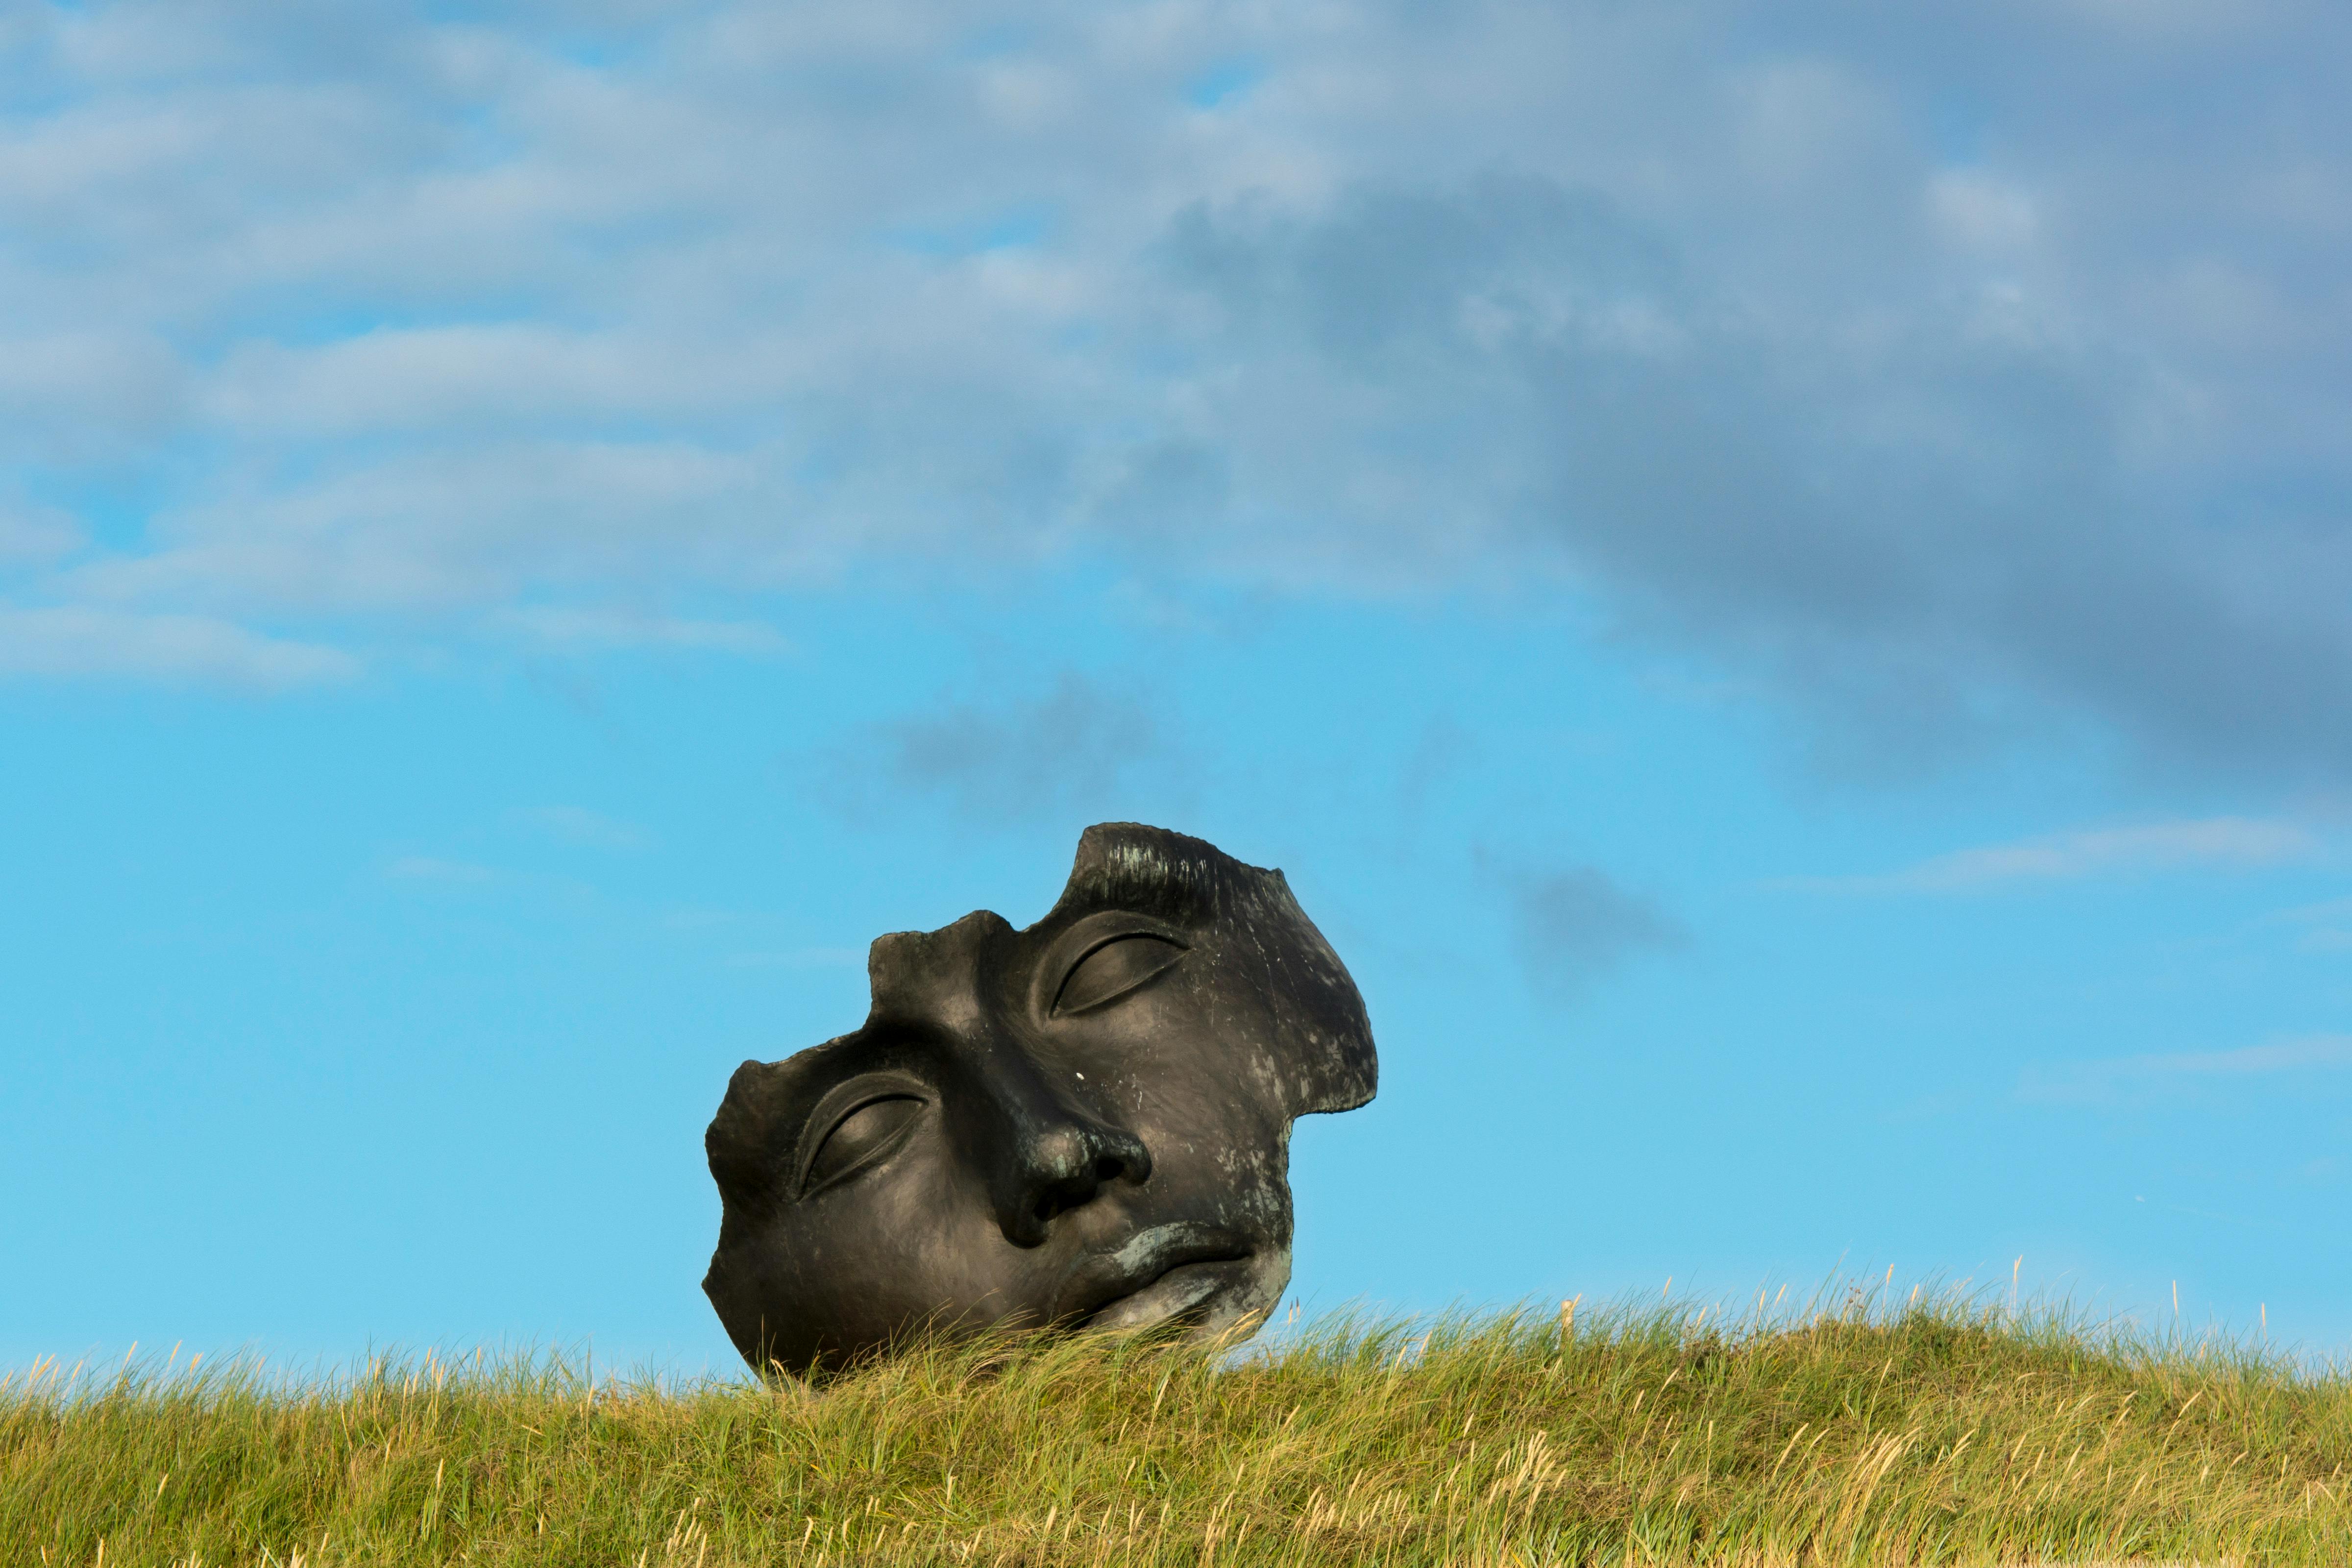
(1084, 1124)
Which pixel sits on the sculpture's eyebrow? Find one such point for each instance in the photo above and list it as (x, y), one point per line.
(809, 1076)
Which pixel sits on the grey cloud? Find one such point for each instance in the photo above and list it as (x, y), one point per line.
(1844, 343)
(1918, 529)
(1075, 747)
(1437, 757)
(1575, 927)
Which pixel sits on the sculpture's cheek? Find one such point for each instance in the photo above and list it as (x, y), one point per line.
(907, 1243)
(1210, 1038)
(911, 1238)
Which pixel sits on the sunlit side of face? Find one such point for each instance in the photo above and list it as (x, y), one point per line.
(1085, 1123)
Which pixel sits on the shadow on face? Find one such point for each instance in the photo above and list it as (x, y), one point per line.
(1084, 1124)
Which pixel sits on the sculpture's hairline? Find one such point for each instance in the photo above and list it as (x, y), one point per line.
(1156, 870)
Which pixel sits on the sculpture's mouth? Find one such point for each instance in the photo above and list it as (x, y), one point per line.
(1169, 1273)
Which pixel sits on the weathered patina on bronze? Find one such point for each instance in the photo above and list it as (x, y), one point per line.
(1082, 1125)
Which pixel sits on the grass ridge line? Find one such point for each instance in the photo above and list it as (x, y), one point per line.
(1942, 1431)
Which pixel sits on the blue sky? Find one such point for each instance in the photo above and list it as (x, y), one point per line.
(1775, 576)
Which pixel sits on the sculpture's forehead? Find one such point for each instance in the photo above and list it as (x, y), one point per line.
(941, 975)
(924, 973)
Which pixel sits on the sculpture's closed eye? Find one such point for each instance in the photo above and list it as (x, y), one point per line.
(859, 1139)
(1114, 969)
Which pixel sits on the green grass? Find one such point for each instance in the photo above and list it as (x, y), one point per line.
(1943, 1433)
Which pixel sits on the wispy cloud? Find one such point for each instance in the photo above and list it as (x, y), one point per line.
(801, 958)
(434, 869)
(2218, 843)
(72, 641)
(32, 533)
(2326, 925)
(449, 874)
(2116, 1077)
(578, 825)
(580, 628)
(2323, 912)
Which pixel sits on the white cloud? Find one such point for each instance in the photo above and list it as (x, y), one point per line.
(2284, 1056)
(2093, 1082)
(801, 958)
(2323, 912)
(2220, 843)
(406, 325)
(580, 627)
(432, 869)
(32, 533)
(89, 394)
(440, 531)
(450, 876)
(2327, 925)
(2178, 21)
(1982, 210)
(72, 642)
(578, 825)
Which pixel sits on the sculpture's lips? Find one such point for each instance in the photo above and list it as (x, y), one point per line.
(1168, 1271)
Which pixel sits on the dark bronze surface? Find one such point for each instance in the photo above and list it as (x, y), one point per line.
(1084, 1124)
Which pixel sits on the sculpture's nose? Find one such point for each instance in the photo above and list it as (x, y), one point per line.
(1041, 1152)
(1061, 1162)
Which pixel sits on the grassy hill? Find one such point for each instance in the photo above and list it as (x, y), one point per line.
(1937, 1433)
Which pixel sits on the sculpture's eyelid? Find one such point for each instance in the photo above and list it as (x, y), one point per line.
(832, 1111)
(1114, 938)
(1061, 999)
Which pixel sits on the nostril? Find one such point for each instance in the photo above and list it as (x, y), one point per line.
(1063, 1196)
(1064, 1167)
